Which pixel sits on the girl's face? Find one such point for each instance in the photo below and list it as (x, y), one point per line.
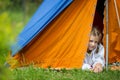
(93, 42)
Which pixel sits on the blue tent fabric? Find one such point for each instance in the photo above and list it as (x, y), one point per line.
(47, 11)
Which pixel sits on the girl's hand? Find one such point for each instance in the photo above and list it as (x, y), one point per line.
(98, 68)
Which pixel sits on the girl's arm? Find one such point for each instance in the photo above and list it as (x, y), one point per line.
(99, 57)
(86, 66)
(99, 61)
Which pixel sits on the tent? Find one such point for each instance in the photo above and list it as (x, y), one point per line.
(58, 33)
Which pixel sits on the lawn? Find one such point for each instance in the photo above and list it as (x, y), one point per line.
(32, 73)
(74, 74)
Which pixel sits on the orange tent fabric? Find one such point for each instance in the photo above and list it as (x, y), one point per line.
(63, 43)
(113, 32)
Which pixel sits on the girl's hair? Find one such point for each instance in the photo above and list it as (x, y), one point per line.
(96, 32)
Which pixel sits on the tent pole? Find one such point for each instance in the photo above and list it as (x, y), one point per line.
(107, 36)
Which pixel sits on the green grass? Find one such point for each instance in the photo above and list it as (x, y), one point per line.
(31, 73)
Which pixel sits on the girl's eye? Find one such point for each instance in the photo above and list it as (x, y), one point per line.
(91, 40)
(96, 41)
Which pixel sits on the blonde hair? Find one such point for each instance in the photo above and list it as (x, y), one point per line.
(96, 32)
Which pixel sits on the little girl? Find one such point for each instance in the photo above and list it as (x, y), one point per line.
(94, 59)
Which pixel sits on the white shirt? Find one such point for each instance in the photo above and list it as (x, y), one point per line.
(93, 58)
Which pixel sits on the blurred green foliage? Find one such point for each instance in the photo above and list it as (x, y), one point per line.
(12, 21)
(5, 73)
(14, 15)
(18, 4)
(5, 29)
(4, 4)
